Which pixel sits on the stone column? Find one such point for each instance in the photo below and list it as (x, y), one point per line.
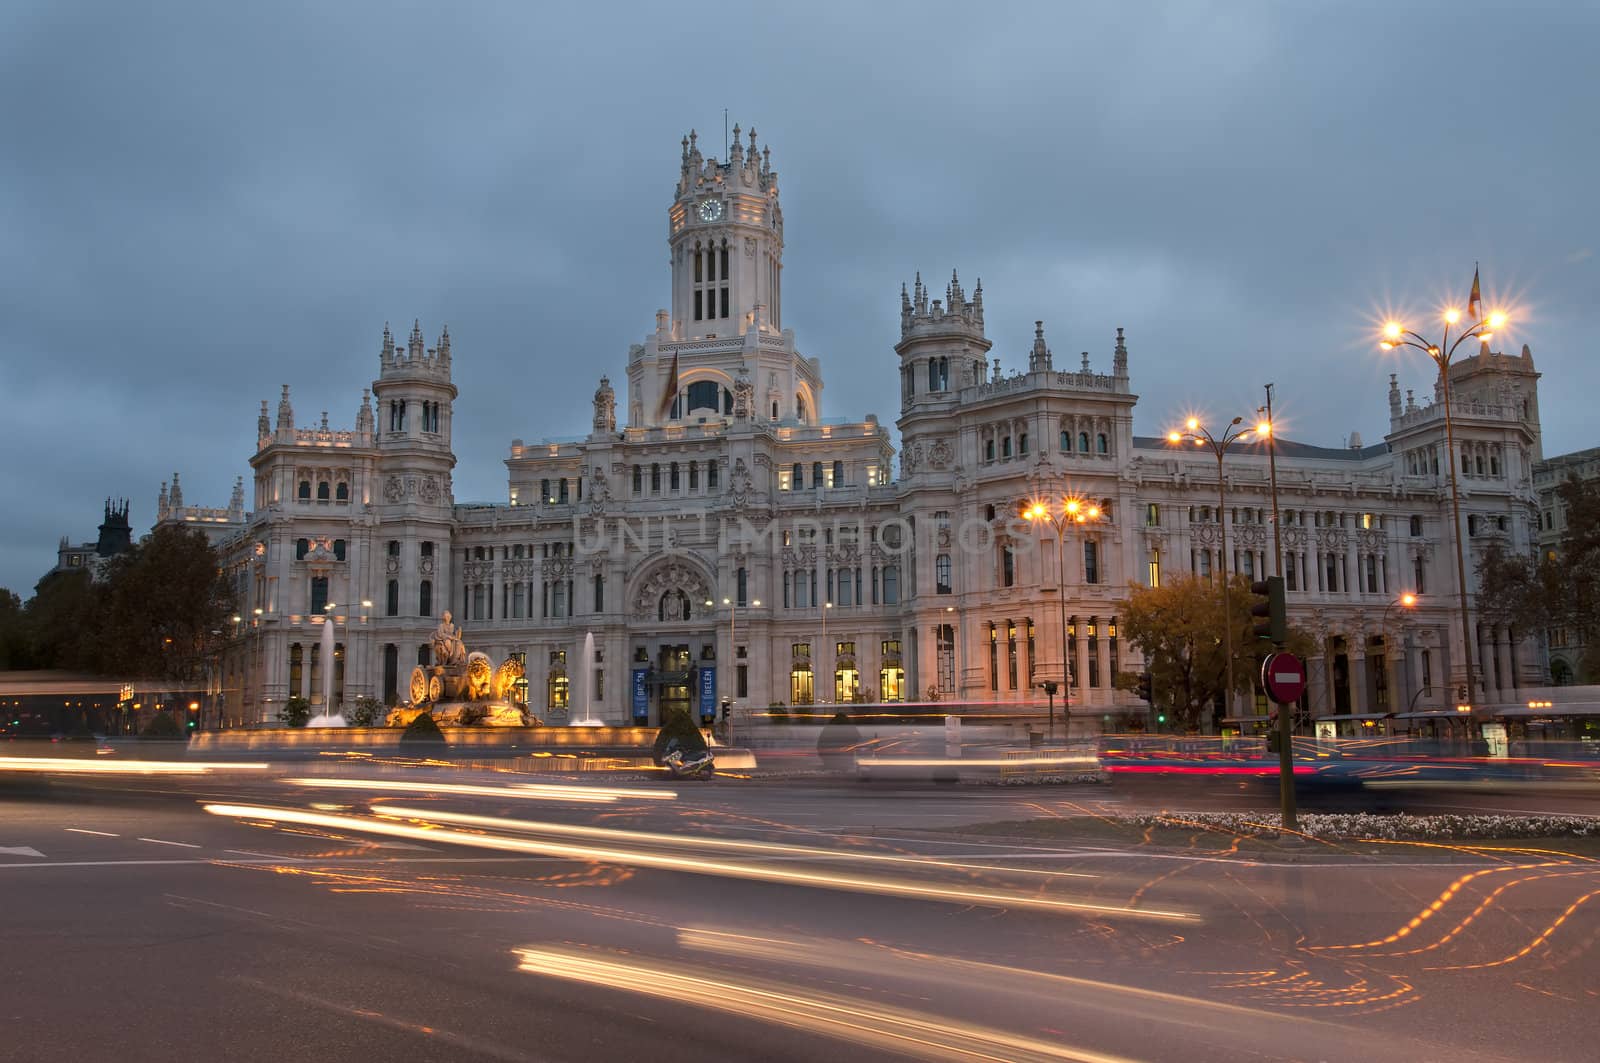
(1360, 686)
(1317, 686)
(1502, 644)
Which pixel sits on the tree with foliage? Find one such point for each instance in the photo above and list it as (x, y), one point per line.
(60, 622)
(166, 607)
(15, 651)
(1555, 589)
(162, 725)
(295, 712)
(364, 712)
(1178, 628)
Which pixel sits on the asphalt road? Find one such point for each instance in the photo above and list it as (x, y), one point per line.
(753, 921)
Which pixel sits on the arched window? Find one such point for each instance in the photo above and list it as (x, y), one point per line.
(988, 450)
(655, 478)
(301, 548)
(425, 598)
(342, 492)
(672, 476)
(1066, 441)
(305, 490)
(711, 476)
(1083, 442)
(638, 479)
(322, 491)
(1102, 444)
(800, 408)
(1005, 448)
(1416, 526)
(703, 395)
(1022, 445)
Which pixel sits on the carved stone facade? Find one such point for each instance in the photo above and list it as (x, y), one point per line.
(727, 528)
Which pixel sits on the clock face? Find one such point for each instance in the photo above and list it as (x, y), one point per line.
(711, 210)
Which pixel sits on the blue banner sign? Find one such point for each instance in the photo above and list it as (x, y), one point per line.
(708, 693)
(641, 697)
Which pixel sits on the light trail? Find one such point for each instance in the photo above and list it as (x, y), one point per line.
(521, 791)
(67, 766)
(702, 842)
(716, 869)
(845, 1018)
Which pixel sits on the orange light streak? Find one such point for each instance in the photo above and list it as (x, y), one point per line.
(689, 865)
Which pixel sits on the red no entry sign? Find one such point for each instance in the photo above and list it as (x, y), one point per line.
(1284, 677)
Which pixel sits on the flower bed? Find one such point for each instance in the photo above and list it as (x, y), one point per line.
(1399, 826)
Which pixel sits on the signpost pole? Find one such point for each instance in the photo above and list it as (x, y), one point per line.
(1283, 675)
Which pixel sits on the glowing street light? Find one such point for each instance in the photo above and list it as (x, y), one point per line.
(1073, 511)
(1395, 335)
(1219, 444)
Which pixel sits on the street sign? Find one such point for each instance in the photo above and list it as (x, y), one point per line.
(1284, 677)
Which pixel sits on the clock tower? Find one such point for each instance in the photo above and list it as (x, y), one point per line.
(727, 243)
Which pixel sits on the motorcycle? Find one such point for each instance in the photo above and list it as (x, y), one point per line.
(697, 765)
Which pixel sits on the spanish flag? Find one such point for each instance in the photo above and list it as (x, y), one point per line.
(1475, 301)
(671, 391)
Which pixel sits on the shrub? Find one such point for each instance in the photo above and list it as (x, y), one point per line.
(295, 712)
(364, 712)
(423, 729)
(162, 725)
(678, 726)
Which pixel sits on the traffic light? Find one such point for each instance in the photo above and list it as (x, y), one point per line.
(1271, 607)
(1144, 689)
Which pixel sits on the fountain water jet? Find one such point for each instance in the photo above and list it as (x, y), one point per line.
(328, 718)
(586, 682)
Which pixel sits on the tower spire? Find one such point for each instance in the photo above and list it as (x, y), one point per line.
(1119, 358)
(1039, 356)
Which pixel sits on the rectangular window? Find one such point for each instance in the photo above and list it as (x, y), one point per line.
(698, 315)
(742, 681)
(1416, 573)
(785, 480)
(1152, 515)
(711, 476)
(1155, 567)
(1372, 574)
(319, 594)
(1289, 567)
(1011, 655)
(891, 584)
(1091, 562)
(392, 599)
(994, 657)
(425, 598)
(941, 569)
(1008, 566)
(1093, 639)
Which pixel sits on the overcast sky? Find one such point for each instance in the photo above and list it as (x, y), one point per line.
(203, 202)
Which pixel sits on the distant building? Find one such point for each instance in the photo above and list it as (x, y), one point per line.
(116, 536)
(1566, 647)
(218, 525)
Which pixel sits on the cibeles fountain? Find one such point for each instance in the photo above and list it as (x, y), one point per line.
(462, 689)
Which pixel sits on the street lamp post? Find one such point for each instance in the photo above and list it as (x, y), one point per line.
(1397, 335)
(825, 607)
(1407, 600)
(1073, 511)
(733, 626)
(1201, 436)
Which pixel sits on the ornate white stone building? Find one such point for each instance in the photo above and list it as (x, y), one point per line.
(728, 541)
